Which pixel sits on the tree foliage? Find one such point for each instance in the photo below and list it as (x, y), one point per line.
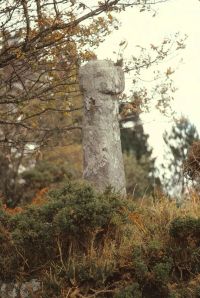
(42, 43)
(152, 75)
(138, 161)
(192, 163)
(178, 141)
(140, 178)
(134, 139)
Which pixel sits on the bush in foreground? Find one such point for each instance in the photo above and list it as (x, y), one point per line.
(84, 244)
(72, 220)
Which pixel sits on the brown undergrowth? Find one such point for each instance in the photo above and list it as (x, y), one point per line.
(83, 244)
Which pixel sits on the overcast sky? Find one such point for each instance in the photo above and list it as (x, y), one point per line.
(141, 28)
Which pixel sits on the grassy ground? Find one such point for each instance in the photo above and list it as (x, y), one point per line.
(81, 244)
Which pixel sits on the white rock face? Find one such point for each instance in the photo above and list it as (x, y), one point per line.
(101, 83)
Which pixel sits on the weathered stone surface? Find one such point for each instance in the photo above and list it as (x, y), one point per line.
(29, 288)
(9, 290)
(101, 83)
(19, 290)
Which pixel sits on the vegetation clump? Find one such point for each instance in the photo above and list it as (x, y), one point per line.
(81, 242)
(72, 219)
(186, 229)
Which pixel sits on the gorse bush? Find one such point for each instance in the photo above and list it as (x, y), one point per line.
(88, 244)
(185, 233)
(186, 229)
(74, 217)
(84, 212)
(131, 291)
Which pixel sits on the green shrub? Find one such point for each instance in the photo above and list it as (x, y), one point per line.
(141, 269)
(185, 241)
(131, 291)
(33, 234)
(185, 228)
(162, 272)
(80, 239)
(152, 269)
(74, 217)
(85, 212)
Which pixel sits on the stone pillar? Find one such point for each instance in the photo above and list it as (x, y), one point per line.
(101, 82)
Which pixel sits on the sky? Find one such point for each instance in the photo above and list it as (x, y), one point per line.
(143, 29)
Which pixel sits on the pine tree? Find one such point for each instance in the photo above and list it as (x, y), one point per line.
(178, 141)
(138, 160)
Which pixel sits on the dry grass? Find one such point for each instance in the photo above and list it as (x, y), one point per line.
(108, 266)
